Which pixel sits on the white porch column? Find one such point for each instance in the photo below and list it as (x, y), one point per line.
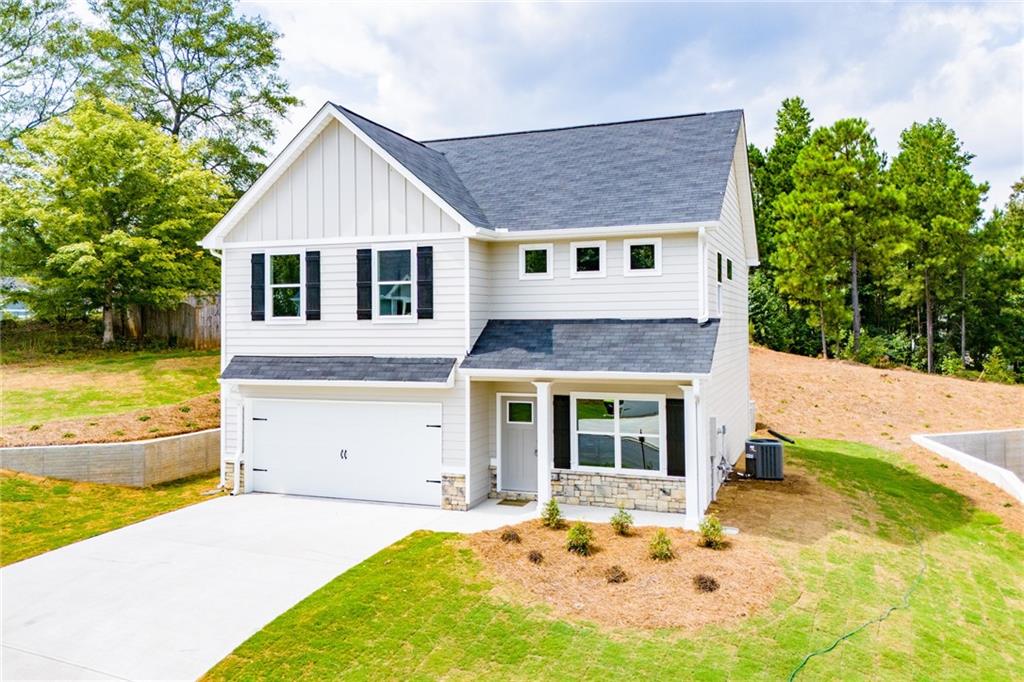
(694, 498)
(545, 442)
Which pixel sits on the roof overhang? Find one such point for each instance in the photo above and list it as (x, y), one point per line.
(746, 197)
(482, 373)
(502, 234)
(332, 383)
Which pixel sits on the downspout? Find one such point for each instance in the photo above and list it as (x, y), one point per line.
(702, 276)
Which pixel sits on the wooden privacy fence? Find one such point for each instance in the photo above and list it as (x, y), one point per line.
(194, 323)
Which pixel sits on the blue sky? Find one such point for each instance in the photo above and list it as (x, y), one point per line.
(459, 69)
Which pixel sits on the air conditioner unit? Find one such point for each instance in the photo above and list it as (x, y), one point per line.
(764, 459)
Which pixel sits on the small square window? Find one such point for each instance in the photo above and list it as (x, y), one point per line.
(728, 268)
(535, 261)
(520, 412)
(587, 259)
(641, 257)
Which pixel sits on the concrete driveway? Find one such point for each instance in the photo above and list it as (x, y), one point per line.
(169, 597)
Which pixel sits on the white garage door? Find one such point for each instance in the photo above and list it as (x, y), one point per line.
(387, 452)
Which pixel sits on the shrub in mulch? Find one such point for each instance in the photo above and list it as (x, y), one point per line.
(615, 574)
(535, 557)
(711, 533)
(622, 522)
(510, 535)
(552, 515)
(660, 548)
(580, 539)
(705, 583)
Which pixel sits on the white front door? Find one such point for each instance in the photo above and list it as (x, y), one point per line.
(381, 451)
(518, 457)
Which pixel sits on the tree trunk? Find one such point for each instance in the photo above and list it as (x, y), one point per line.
(855, 301)
(963, 317)
(108, 324)
(928, 323)
(824, 340)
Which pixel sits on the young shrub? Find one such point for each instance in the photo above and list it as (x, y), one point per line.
(711, 534)
(580, 539)
(660, 548)
(185, 408)
(996, 368)
(510, 535)
(951, 364)
(622, 522)
(705, 583)
(535, 556)
(144, 417)
(35, 427)
(615, 574)
(552, 515)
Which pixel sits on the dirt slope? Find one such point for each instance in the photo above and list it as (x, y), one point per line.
(809, 397)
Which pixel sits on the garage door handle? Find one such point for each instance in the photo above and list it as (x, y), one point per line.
(433, 426)
(429, 480)
(255, 469)
(259, 419)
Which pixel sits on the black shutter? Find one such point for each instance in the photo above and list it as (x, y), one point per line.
(258, 286)
(675, 418)
(425, 282)
(364, 284)
(312, 285)
(562, 432)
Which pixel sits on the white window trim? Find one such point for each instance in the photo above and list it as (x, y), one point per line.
(627, 269)
(549, 248)
(268, 291)
(600, 244)
(508, 411)
(412, 318)
(618, 470)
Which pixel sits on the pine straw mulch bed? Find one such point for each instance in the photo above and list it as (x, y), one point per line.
(656, 594)
(196, 414)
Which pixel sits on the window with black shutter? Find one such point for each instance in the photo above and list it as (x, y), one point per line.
(425, 282)
(258, 286)
(364, 284)
(312, 285)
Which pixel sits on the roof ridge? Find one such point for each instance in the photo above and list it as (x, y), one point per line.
(585, 125)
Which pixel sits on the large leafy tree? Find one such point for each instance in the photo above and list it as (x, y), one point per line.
(45, 57)
(942, 206)
(839, 219)
(197, 70)
(104, 211)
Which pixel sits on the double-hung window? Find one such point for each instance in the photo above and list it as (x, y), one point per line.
(286, 280)
(618, 434)
(394, 275)
(641, 257)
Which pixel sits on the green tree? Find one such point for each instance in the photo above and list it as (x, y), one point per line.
(942, 206)
(104, 211)
(199, 71)
(838, 222)
(44, 58)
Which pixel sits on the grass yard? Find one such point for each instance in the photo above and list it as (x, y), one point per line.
(37, 514)
(852, 529)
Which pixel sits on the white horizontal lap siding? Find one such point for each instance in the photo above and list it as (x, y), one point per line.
(671, 294)
(338, 332)
(230, 408)
(479, 287)
(338, 187)
(480, 427)
(729, 388)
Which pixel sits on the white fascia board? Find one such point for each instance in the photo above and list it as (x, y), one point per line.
(544, 375)
(332, 383)
(487, 234)
(744, 190)
(364, 239)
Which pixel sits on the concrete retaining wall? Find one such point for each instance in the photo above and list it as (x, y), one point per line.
(135, 463)
(997, 456)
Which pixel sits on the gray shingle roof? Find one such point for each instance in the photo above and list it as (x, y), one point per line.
(673, 346)
(338, 368)
(662, 170)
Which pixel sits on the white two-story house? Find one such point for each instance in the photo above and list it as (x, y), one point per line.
(554, 313)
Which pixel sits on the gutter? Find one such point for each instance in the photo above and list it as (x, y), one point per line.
(542, 375)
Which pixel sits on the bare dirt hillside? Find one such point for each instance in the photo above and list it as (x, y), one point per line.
(815, 398)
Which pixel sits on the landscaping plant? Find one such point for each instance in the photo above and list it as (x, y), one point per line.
(615, 574)
(705, 583)
(580, 539)
(661, 546)
(535, 556)
(622, 521)
(711, 533)
(552, 515)
(510, 535)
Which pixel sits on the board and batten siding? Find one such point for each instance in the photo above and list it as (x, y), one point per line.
(340, 188)
(671, 294)
(728, 391)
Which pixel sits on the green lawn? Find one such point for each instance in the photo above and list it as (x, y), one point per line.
(422, 609)
(37, 515)
(104, 383)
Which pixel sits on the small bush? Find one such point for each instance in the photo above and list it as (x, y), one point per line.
(144, 417)
(35, 427)
(510, 535)
(951, 364)
(615, 574)
(660, 548)
(580, 539)
(535, 556)
(552, 516)
(185, 408)
(67, 434)
(705, 583)
(996, 368)
(622, 521)
(118, 432)
(711, 534)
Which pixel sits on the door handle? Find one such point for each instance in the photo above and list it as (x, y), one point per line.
(255, 469)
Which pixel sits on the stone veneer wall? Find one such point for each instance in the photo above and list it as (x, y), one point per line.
(506, 494)
(453, 492)
(229, 478)
(660, 494)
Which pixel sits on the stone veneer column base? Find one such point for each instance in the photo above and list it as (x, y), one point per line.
(506, 494)
(229, 478)
(453, 492)
(612, 490)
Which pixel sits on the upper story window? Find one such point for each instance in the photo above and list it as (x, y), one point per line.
(641, 257)
(718, 287)
(728, 268)
(618, 433)
(393, 283)
(285, 286)
(535, 261)
(587, 259)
